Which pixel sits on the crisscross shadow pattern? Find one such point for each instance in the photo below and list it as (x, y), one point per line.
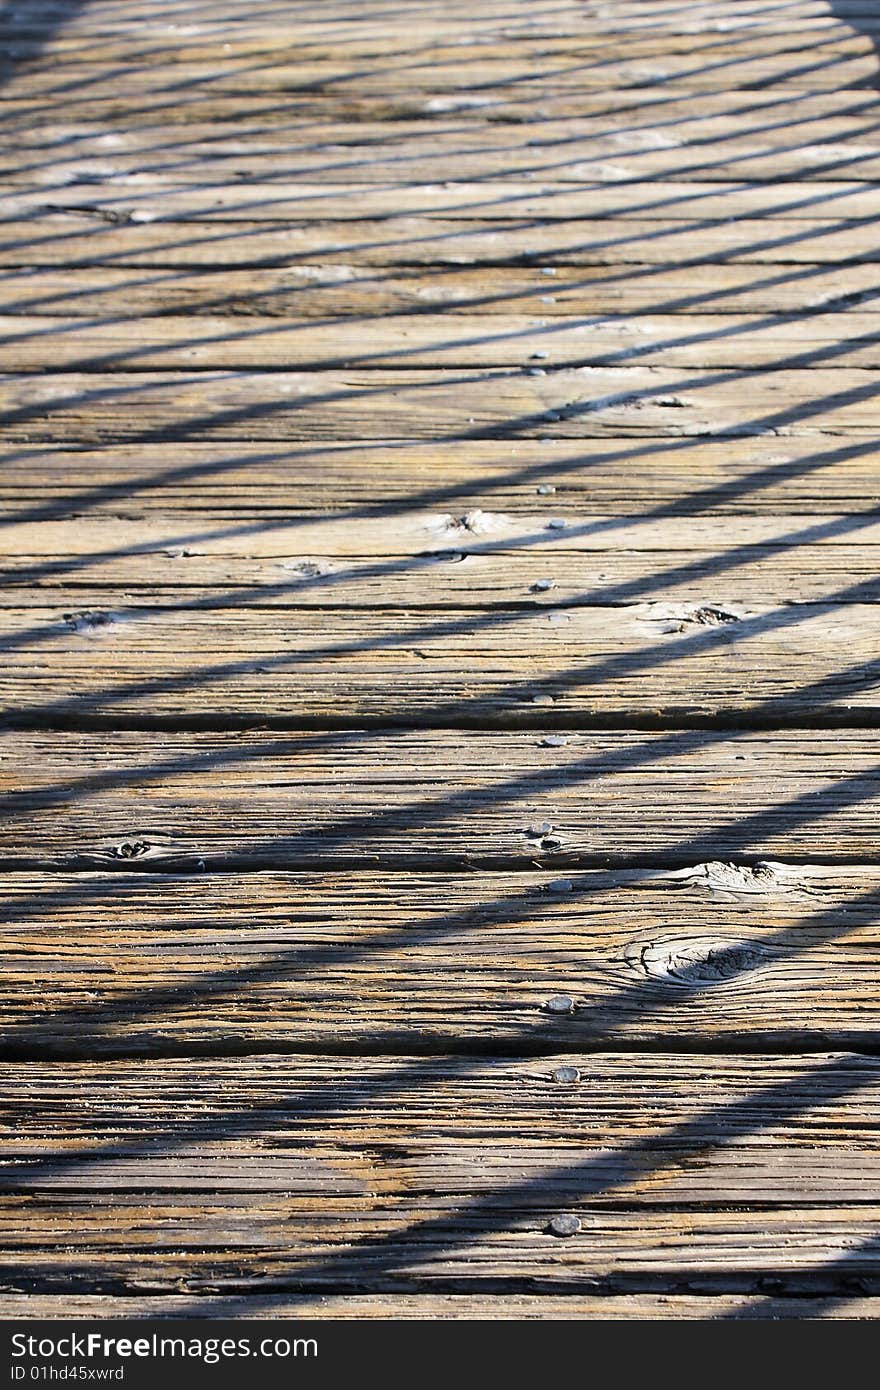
(439, 505)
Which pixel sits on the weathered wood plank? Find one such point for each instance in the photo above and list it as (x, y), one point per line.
(226, 342)
(652, 1130)
(309, 548)
(440, 403)
(754, 110)
(593, 664)
(708, 957)
(680, 578)
(575, 17)
(148, 199)
(421, 798)
(342, 292)
(510, 1306)
(432, 43)
(322, 1174)
(83, 237)
(202, 1246)
(805, 70)
(410, 582)
(389, 151)
(810, 70)
(635, 125)
(406, 498)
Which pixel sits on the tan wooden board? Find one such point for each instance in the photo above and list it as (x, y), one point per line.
(452, 798)
(640, 402)
(528, 341)
(669, 103)
(633, 122)
(609, 159)
(665, 108)
(509, 1307)
(347, 1130)
(630, 145)
(339, 292)
(810, 69)
(316, 551)
(105, 17)
(148, 199)
(212, 1246)
(439, 492)
(704, 958)
(83, 237)
(395, 497)
(636, 121)
(654, 661)
(670, 586)
(436, 41)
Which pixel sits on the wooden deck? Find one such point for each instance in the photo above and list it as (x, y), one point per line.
(439, 755)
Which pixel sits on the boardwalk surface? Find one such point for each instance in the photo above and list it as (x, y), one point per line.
(440, 662)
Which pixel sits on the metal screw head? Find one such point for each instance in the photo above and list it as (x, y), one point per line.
(565, 1224)
(567, 1076)
(560, 1004)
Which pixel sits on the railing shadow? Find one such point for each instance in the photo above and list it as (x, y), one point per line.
(490, 1212)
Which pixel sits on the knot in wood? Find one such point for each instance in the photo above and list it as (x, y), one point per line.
(129, 849)
(703, 961)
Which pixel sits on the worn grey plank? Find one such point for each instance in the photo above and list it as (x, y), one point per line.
(703, 958)
(444, 797)
(655, 661)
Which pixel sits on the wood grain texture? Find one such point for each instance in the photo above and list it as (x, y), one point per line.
(677, 587)
(438, 604)
(668, 662)
(750, 115)
(588, 150)
(351, 292)
(451, 798)
(423, 75)
(709, 957)
(77, 546)
(271, 1187)
(436, 42)
(148, 199)
(499, 1307)
(213, 341)
(212, 1246)
(354, 1133)
(443, 403)
(79, 235)
(114, 16)
(407, 496)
